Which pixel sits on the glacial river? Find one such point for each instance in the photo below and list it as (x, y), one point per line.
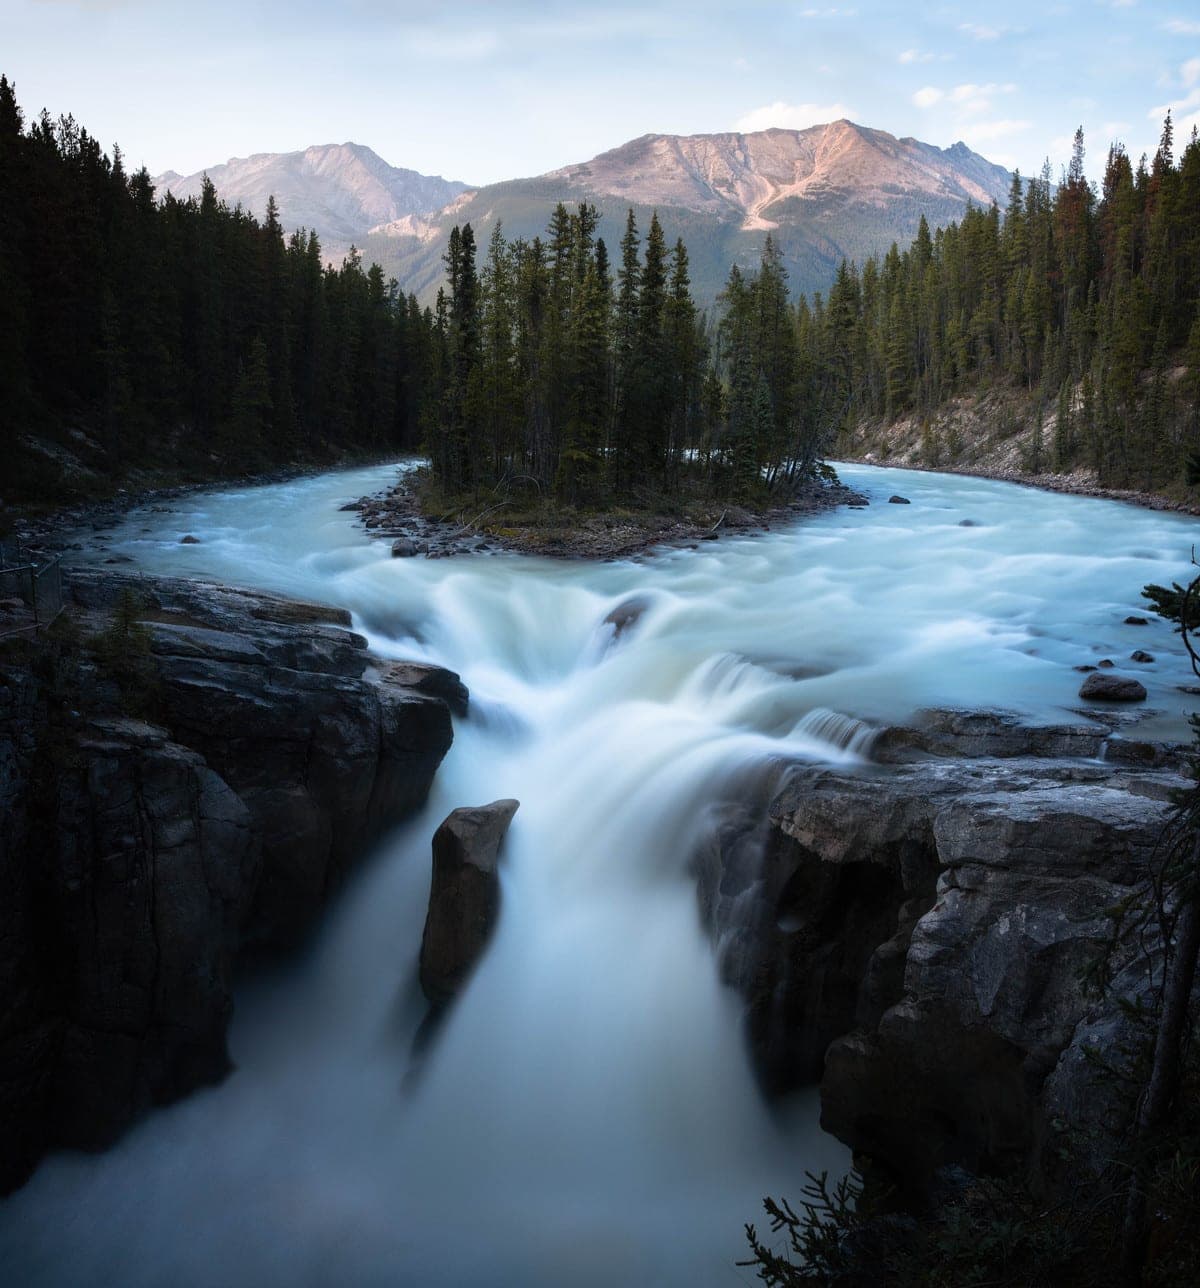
(587, 1115)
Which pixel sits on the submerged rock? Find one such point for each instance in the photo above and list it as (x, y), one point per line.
(464, 898)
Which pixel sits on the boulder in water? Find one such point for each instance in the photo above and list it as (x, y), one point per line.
(464, 899)
(405, 548)
(626, 614)
(1112, 688)
(1137, 621)
(898, 500)
(189, 540)
(1140, 655)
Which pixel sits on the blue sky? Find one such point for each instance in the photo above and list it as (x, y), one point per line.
(480, 92)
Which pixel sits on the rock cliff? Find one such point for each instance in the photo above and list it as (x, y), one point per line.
(155, 832)
(916, 936)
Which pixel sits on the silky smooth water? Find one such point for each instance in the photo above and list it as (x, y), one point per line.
(587, 1115)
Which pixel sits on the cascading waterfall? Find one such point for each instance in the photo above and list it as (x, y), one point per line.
(586, 1115)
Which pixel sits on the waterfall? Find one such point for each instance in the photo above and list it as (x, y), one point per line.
(587, 1113)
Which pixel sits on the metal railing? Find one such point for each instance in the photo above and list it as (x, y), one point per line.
(38, 585)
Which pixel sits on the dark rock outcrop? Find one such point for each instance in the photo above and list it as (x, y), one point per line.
(899, 500)
(435, 681)
(464, 898)
(141, 857)
(913, 935)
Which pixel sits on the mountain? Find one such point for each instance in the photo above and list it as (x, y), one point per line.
(826, 193)
(338, 189)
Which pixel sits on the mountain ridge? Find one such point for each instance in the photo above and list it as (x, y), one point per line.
(832, 191)
(339, 190)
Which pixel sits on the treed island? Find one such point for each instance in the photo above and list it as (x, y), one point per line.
(162, 340)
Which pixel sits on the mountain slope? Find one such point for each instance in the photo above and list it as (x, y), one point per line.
(825, 193)
(832, 191)
(338, 189)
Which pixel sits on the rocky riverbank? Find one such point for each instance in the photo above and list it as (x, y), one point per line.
(993, 435)
(916, 936)
(399, 515)
(187, 773)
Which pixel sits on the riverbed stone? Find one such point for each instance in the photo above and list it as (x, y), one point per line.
(1112, 688)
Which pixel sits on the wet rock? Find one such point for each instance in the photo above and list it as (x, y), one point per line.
(968, 523)
(626, 614)
(1106, 663)
(464, 898)
(189, 540)
(1112, 688)
(957, 732)
(160, 851)
(1140, 655)
(929, 921)
(952, 1071)
(1085, 668)
(899, 500)
(405, 548)
(1137, 621)
(435, 681)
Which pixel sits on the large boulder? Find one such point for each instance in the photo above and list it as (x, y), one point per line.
(1101, 687)
(464, 898)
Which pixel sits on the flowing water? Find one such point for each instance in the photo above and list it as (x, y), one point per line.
(587, 1115)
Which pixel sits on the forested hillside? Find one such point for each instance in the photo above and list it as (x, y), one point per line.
(182, 338)
(1087, 304)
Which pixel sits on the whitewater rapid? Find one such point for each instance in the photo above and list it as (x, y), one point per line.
(587, 1116)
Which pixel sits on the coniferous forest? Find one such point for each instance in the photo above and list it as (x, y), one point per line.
(181, 333)
(190, 333)
(1088, 302)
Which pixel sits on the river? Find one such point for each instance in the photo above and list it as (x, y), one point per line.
(587, 1115)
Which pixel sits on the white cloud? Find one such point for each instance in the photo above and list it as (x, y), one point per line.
(792, 116)
(1183, 26)
(833, 11)
(969, 97)
(1189, 73)
(1177, 108)
(987, 131)
(977, 31)
(914, 56)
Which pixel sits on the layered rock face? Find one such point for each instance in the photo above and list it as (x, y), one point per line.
(917, 935)
(140, 858)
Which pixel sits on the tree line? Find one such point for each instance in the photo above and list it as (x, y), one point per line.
(182, 331)
(188, 335)
(1088, 301)
(583, 382)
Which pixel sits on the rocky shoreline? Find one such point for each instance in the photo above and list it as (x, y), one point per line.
(1079, 483)
(183, 783)
(396, 514)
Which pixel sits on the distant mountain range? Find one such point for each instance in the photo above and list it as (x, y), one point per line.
(826, 193)
(338, 189)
